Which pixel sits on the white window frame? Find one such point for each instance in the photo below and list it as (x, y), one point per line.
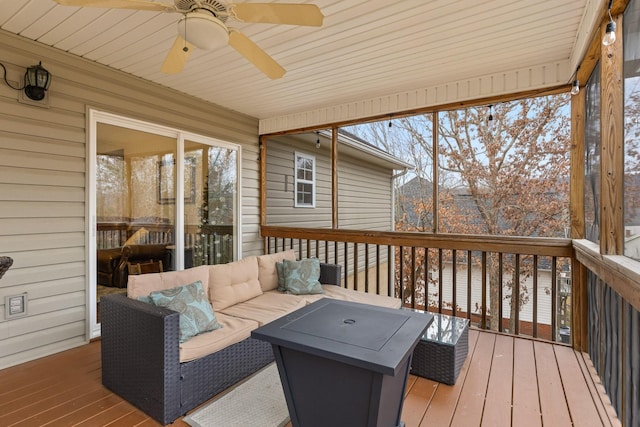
(298, 155)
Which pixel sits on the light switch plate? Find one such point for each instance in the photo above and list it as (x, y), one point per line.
(15, 306)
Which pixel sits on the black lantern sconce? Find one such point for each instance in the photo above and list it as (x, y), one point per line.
(36, 82)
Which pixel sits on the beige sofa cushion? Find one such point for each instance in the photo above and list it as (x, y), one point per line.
(267, 273)
(233, 283)
(143, 284)
(344, 294)
(234, 330)
(266, 307)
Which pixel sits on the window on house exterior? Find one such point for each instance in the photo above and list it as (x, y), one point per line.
(305, 180)
(631, 193)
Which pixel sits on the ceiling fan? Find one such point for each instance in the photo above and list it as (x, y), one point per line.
(204, 25)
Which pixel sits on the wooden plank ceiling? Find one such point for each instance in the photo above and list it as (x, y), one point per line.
(365, 49)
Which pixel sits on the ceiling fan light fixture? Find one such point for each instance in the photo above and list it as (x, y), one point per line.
(203, 30)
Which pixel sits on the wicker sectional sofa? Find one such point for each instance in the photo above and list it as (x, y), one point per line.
(143, 360)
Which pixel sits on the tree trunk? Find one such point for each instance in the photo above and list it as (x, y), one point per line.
(493, 267)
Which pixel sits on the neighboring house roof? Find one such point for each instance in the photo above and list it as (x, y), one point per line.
(358, 147)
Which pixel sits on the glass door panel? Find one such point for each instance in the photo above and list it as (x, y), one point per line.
(210, 217)
(135, 204)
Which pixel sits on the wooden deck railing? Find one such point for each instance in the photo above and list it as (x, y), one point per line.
(205, 244)
(612, 312)
(453, 274)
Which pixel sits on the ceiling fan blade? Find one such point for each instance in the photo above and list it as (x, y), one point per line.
(119, 4)
(177, 57)
(278, 13)
(255, 55)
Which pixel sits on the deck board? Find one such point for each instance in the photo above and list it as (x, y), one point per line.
(601, 400)
(552, 399)
(442, 407)
(526, 401)
(505, 381)
(497, 407)
(472, 398)
(583, 412)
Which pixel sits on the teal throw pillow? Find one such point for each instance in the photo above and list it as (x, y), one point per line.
(302, 277)
(196, 313)
(280, 271)
(145, 298)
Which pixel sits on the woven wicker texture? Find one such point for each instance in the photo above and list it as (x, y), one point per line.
(440, 362)
(141, 361)
(5, 263)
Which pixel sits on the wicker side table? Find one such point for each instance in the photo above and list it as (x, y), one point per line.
(441, 352)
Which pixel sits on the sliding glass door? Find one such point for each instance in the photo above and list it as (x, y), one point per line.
(160, 200)
(209, 222)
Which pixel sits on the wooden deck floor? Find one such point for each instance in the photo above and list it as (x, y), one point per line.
(505, 381)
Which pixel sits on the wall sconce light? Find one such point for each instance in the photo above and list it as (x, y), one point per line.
(610, 33)
(318, 140)
(36, 82)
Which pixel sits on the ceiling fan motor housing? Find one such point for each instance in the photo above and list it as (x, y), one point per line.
(203, 30)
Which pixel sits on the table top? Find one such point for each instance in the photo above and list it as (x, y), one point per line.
(444, 329)
(372, 337)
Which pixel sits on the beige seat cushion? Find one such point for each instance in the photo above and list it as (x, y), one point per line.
(340, 293)
(266, 307)
(267, 274)
(234, 330)
(233, 283)
(142, 285)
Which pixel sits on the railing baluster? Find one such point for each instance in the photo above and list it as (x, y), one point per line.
(426, 279)
(355, 266)
(500, 289)
(483, 321)
(440, 281)
(454, 279)
(378, 269)
(390, 258)
(535, 296)
(516, 295)
(469, 261)
(326, 252)
(366, 267)
(413, 277)
(346, 264)
(401, 274)
(554, 296)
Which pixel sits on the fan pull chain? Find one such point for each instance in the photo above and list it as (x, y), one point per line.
(185, 48)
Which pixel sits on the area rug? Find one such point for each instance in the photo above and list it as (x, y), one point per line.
(257, 402)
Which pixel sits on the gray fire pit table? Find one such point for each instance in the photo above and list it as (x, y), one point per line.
(344, 363)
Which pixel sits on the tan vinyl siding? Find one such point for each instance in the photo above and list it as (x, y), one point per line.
(364, 195)
(43, 178)
(281, 185)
